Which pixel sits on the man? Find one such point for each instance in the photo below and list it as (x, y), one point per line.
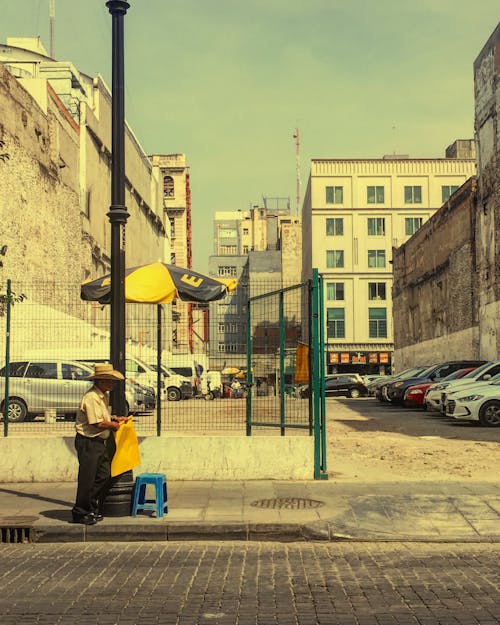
(94, 425)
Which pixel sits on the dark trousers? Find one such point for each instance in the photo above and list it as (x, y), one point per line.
(94, 473)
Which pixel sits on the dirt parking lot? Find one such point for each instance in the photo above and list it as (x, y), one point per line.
(369, 441)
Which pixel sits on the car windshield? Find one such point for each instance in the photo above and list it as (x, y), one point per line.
(496, 379)
(478, 371)
(453, 376)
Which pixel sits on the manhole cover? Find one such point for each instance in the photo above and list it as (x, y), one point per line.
(287, 503)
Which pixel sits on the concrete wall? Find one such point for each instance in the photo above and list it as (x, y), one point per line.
(183, 458)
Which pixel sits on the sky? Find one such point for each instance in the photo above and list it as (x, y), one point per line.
(226, 82)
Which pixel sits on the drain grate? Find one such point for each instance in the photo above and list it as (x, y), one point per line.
(287, 503)
(17, 529)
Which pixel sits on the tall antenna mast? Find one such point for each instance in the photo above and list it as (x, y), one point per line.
(52, 14)
(296, 136)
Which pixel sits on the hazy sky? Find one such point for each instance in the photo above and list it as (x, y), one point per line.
(227, 81)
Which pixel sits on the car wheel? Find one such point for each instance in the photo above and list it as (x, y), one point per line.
(173, 394)
(489, 414)
(354, 392)
(17, 410)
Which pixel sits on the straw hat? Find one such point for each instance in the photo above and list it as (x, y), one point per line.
(105, 372)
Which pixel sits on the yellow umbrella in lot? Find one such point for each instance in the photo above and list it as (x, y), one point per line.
(160, 283)
(230, 371)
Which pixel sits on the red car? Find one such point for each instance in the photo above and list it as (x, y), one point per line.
(414, 395)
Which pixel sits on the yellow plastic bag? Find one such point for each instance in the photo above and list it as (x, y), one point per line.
(127, 455)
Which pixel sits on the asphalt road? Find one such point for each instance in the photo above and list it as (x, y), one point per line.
(250, 584)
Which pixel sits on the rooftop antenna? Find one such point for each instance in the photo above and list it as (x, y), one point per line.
(52, 14)
(296, 136)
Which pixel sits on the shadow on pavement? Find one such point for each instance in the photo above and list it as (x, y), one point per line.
(20, 493)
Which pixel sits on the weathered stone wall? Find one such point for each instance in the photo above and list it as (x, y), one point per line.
(39, 189)
(435, 288)
(487, 127)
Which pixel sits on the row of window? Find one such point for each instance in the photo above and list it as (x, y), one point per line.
(376, 194)
(375, 226)
(377, 323)
(227, 270)
(335, 291)
(335, 259)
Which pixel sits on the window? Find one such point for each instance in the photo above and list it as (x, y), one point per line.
(413, 195)
(226, 270)
(172, 227)
(245, 249)
(334, 227)
(73, 372)
(377, 323)
(227, 309)
(376, 226)
(335, 320)
(376, 290)
(335, 290)
(334, 195)
(168, 186)
(334, 258)
(227, 233)
(172, 258)
(46, 370)
(447, 191)
(376, 258)
(412, 224)
(375, 195)
(227, 328)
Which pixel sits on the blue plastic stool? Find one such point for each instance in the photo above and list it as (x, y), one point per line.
(159, 503)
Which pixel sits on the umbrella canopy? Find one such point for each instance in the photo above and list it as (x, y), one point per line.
(159, 283)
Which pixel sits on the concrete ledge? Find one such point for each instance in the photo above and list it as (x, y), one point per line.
(181, 458)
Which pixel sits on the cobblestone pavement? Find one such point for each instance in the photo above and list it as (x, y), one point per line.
(250, 584)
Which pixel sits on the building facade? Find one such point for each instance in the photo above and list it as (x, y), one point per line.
(174, 176)
(355, 212)
(261, 247)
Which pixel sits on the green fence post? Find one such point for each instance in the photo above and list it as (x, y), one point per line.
(311, 355)
(7, 361)
(316, 375)
(249, 370)
(282, 360)
(321, 325)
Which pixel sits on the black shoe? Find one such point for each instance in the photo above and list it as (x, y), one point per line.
(98, 517)
(85, 519)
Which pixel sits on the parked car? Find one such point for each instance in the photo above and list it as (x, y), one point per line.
(477, 386)
(414, 395)
(435, 396)
(176, 386)
(339, 385)
(435, 373)
(477, 404)
(378, 387)
(36, 386)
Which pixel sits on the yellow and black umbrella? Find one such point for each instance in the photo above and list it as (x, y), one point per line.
(159, 283)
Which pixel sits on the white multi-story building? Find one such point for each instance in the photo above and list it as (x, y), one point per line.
(355, 211)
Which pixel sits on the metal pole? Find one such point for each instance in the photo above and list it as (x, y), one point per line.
(158, 370)
(282, 361)
(118, 212)
(249, 370)
(7, 361)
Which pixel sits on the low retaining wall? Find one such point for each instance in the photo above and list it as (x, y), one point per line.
(181, 458)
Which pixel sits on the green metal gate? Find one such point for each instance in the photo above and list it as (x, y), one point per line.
(285, 353)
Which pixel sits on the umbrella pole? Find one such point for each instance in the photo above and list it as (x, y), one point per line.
(158, 369)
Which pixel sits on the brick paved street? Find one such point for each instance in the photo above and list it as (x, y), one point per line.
(250, 584)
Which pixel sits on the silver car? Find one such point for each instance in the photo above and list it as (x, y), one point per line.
(40, 385)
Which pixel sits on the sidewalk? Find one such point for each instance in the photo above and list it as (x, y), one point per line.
(270, 510)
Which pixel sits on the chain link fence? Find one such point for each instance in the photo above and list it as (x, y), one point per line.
(210, 383)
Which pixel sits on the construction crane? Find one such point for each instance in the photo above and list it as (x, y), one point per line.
(52, 15)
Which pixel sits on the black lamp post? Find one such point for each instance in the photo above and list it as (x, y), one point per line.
(118, 211)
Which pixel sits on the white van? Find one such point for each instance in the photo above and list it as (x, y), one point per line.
(188, 368)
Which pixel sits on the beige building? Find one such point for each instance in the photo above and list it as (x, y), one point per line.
(355, 212)
(174, 176)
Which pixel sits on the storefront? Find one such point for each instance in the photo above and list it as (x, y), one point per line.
(366, 363)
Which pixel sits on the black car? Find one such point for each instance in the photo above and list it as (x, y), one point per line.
(340, 386)
(396, 390)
